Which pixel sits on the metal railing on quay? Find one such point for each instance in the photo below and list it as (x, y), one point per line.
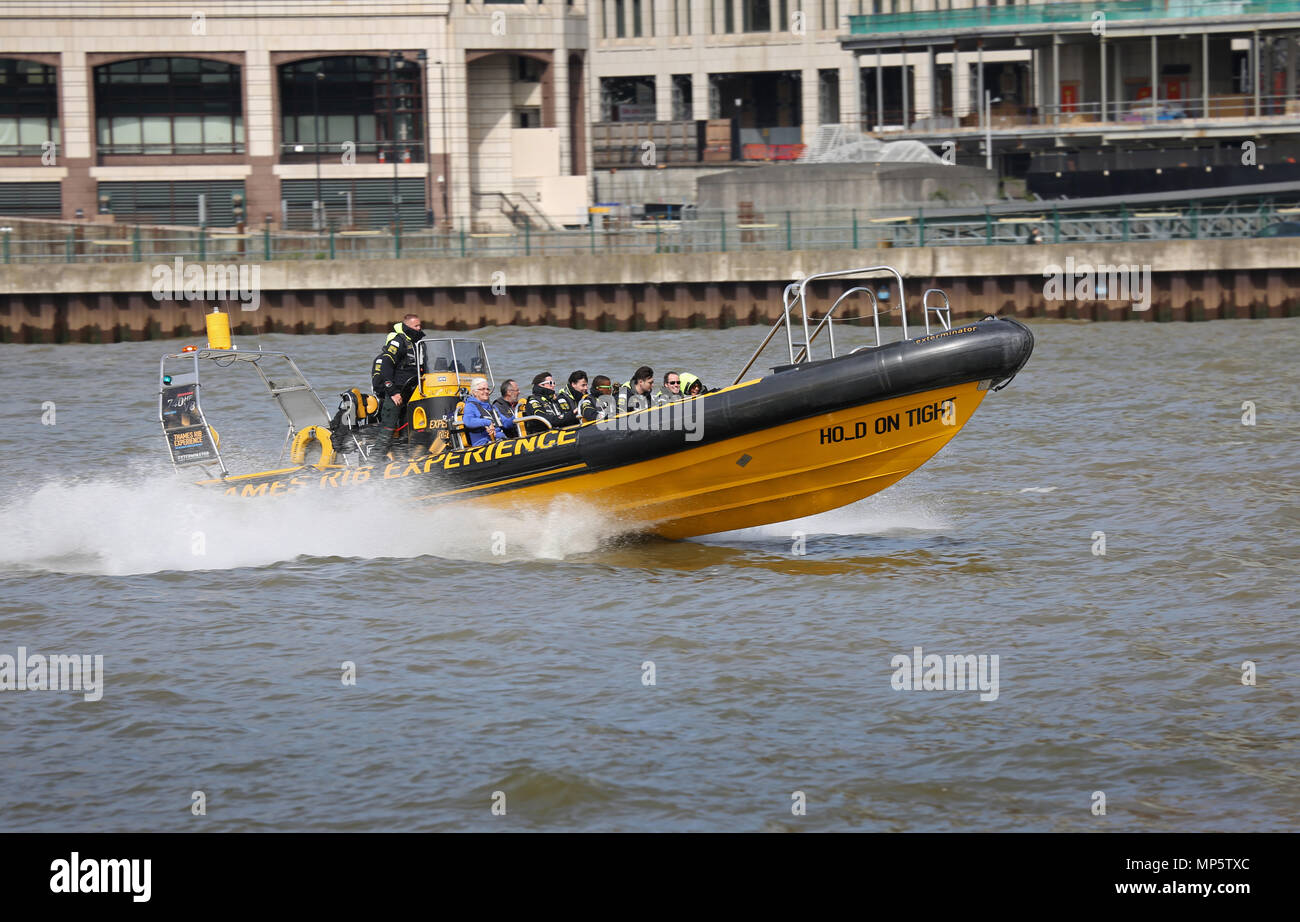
(48, 242)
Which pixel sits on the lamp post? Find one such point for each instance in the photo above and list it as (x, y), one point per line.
(446, 151)
(318, 204)
(988, 128)
(395, 60)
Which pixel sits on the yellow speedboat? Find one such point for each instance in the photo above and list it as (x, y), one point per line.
(811, 436)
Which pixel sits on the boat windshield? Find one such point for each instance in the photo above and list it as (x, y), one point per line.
(463, 356)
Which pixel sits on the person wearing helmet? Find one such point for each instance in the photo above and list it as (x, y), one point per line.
(692, 386)
(393, 376)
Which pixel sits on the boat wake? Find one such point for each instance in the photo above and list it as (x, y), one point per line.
(146, 525)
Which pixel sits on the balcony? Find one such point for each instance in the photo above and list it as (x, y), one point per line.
(1074, 14)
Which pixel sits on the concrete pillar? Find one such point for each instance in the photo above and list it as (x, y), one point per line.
(850, 93)
(933, 77)
(75, 133)
(560, 107)
(662, 21)
(699, 74)
(461, 177)
(700, 95)
(75, 127)
(1056, 79)
(810, 103)
(663, 97)
(1205, 74)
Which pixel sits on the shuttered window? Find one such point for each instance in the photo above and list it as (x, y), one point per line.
(371, 202)
(172, 202)
(31, 199)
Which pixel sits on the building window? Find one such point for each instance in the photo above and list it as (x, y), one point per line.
(169, 106)
(828, 88)
(354, 203)
(620, 18)
(29, 107)
(728, 16)
(375, 103)
(211, 204)
(528, 70)
(756, 15)
(627, 99)
(636, 18)
(682, 100)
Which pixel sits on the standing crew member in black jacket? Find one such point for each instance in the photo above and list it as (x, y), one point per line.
(394, 377)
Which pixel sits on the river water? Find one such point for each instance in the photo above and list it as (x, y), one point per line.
(224, 626)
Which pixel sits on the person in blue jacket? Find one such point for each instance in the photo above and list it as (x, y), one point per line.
(483, 422)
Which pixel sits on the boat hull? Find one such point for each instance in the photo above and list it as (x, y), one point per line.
(803, 440)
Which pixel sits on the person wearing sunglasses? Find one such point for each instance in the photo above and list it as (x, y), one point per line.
(601, 402)
(541, 402)
(480, 418)
(672, 389)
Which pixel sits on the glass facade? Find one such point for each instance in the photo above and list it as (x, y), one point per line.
(373, 102)
(29, 108)
(169, 106)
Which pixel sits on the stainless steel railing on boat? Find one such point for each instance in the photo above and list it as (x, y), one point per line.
(796, 294)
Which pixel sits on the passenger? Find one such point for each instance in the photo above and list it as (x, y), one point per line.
(692, 386)
(541, 402)
(603, 403)
(672, 390)
(508, 405)
(480, 417)
(393, 377)
(635, 394)
(570, 399)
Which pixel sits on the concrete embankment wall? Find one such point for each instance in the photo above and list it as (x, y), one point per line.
(1190, 280)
